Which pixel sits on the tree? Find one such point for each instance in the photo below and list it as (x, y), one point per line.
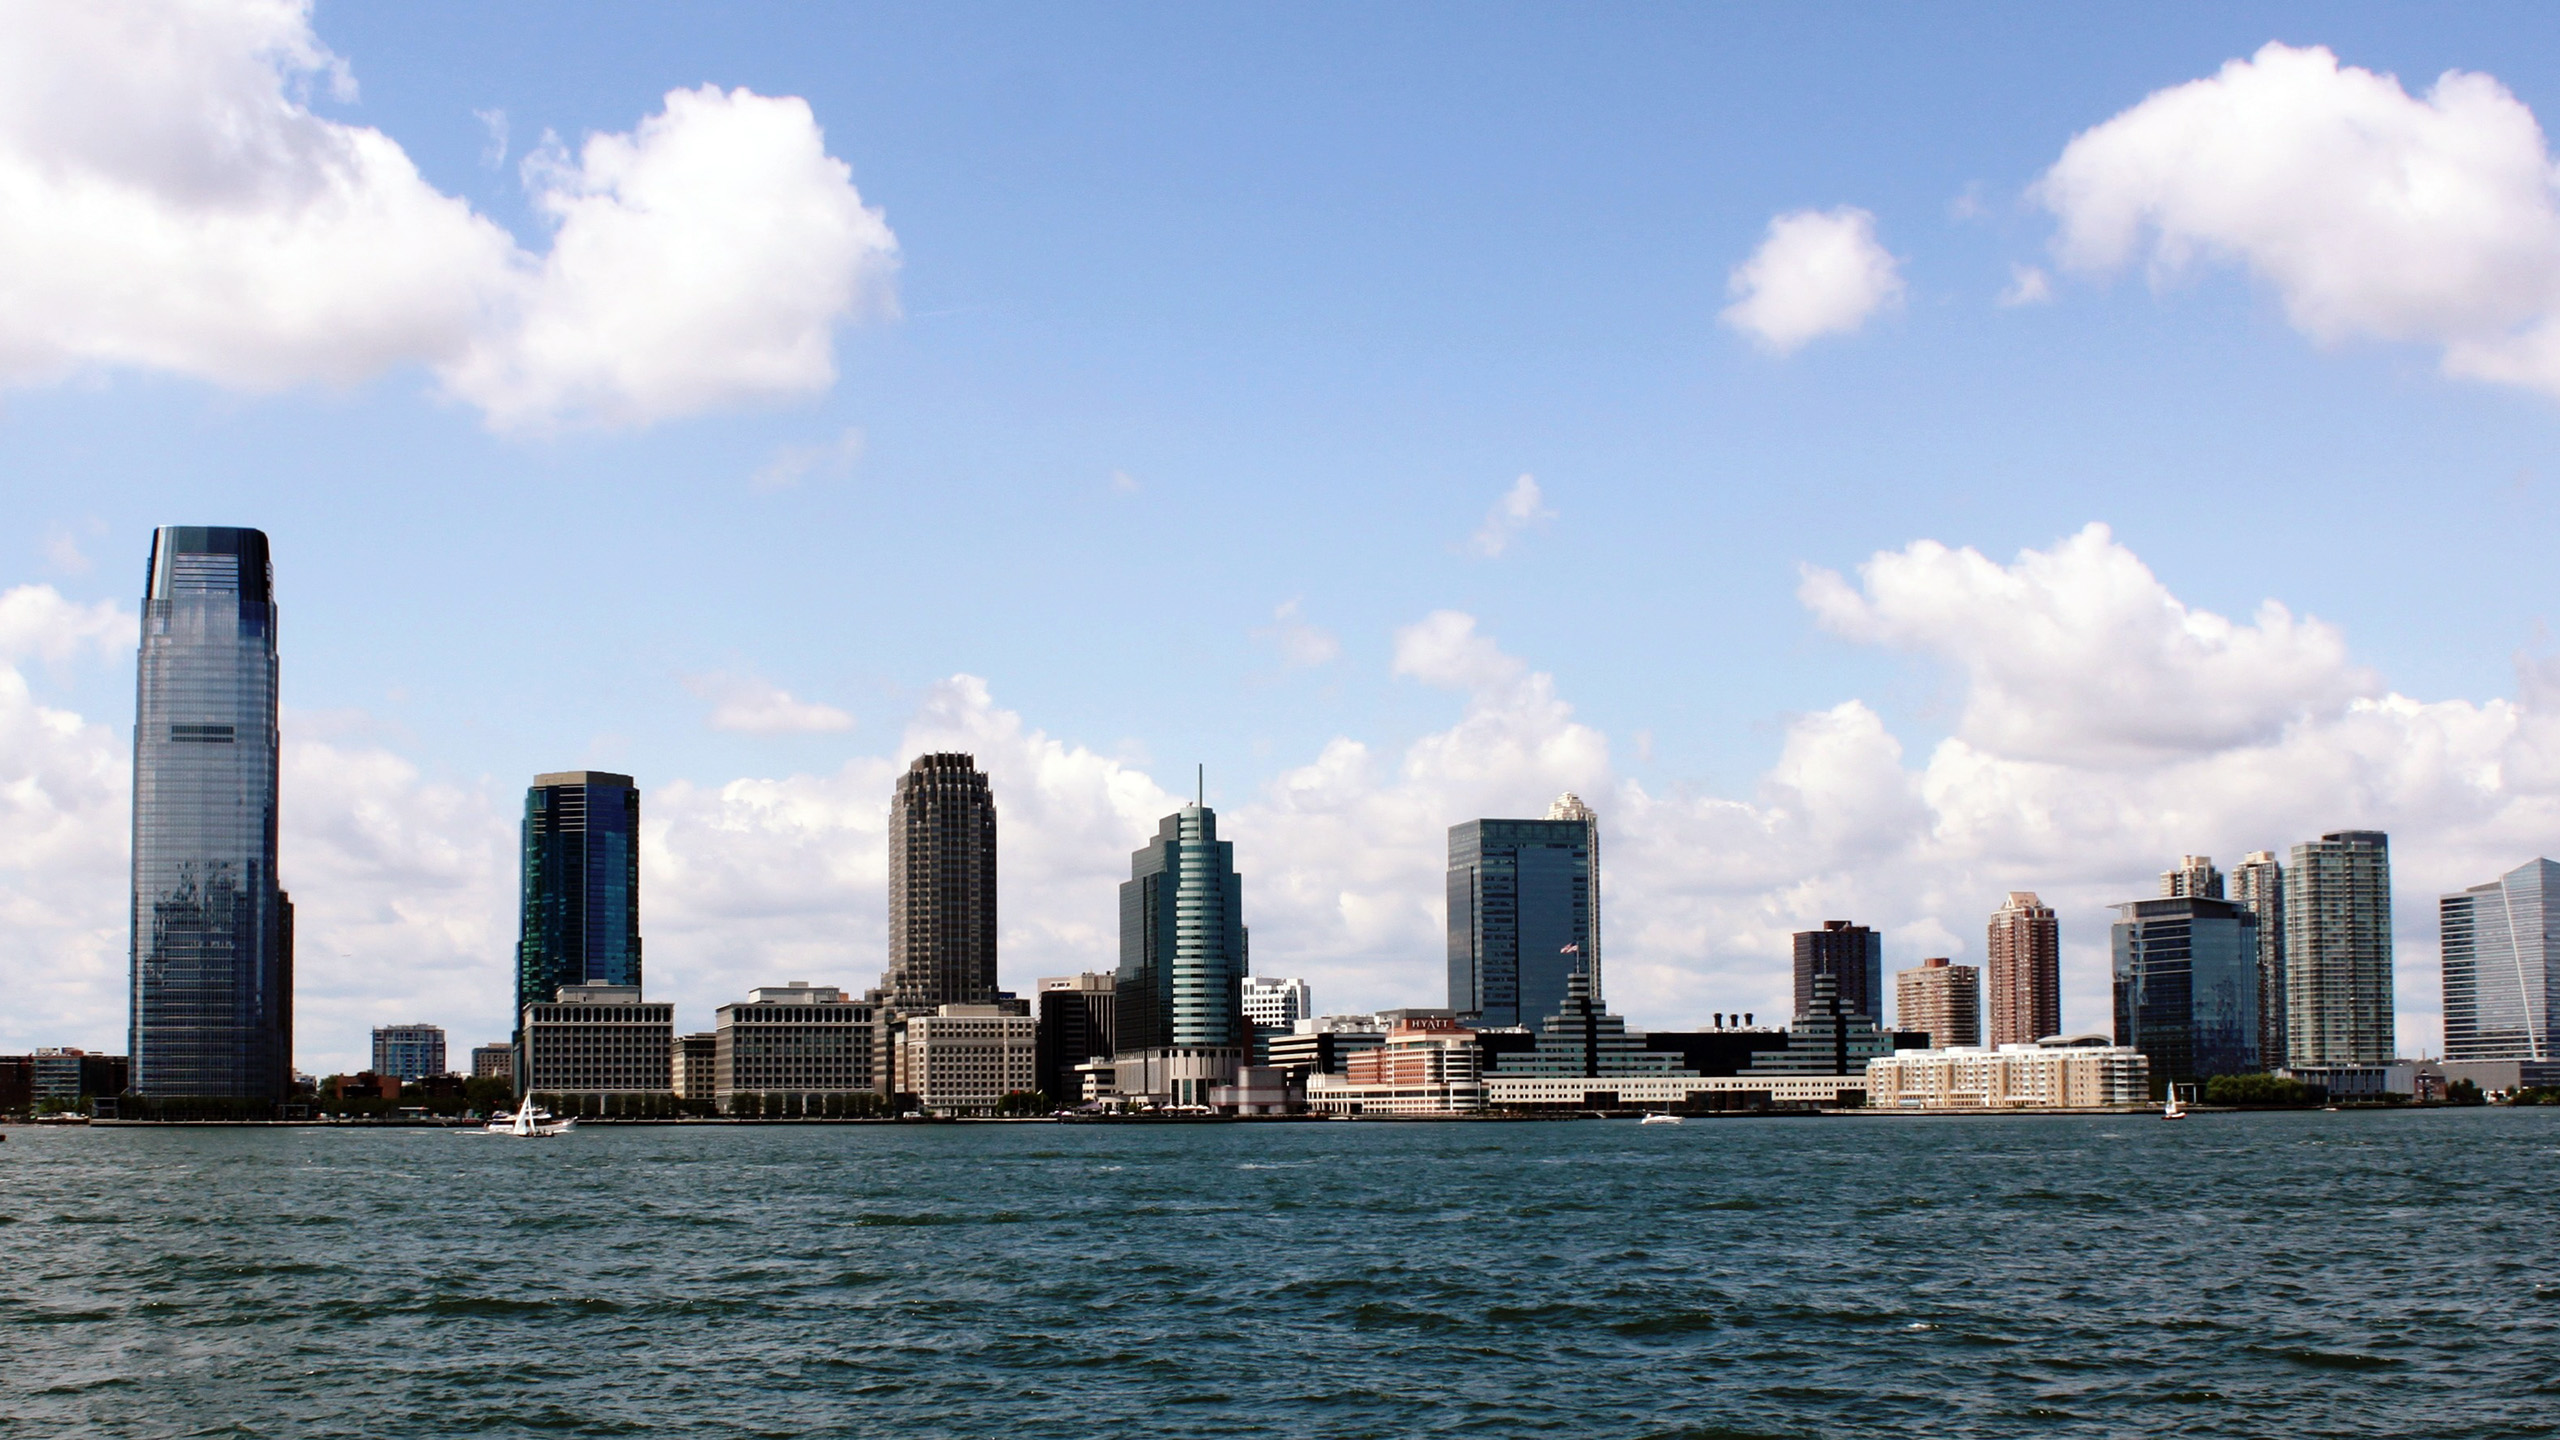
(2256, 1090)
(2464, 1092)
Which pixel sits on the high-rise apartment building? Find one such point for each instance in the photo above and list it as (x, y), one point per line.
(212, 930)
(1852, 955)
(1077, 1020)
(2023, 967)
(2502, 966)
(1942, 1000)
(408, 1052)
(1179, 1019)
(2186, 985)
(942, 888)
(2258, 882)
(580, 917)
(2194, 877)
(2337, 951)
(1524, 910)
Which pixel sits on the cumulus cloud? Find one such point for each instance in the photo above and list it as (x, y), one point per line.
(1520, 507)
(1819, 272)
(170, 201)
(36, 621)
(2370, 212)
(749, 706)
(1302, 646)
(2028, 285)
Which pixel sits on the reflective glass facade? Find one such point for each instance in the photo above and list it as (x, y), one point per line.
(1183, 952)
(1520, 892)
(581, 911)
(212, 936)
(2501, 985)
(2186, 986)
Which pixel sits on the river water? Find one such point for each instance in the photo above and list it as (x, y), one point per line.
(2245, 1275)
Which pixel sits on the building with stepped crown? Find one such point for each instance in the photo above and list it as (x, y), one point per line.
(1579, 1039)
(1851, 955)
(2193, 877)
(1825, 1038)
(942, 888)
(1179, 1011)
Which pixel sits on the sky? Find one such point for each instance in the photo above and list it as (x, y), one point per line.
(1881, 458)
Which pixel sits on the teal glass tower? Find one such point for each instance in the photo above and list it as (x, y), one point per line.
(581, 911)
(1182, 940)
(212, 936)
(1524, 914)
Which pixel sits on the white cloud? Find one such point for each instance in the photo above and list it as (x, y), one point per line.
(749, 706)
(2028, 285)
(793, 463)
(1302, 646)
(170, 202)
(2371, 212)
(1819, 272)
(495, 122)
(1123, 483)
(1520, 507)
(35, 621)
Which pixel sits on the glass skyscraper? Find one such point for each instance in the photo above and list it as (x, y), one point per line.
(1524, 910)
(2258, 882)
(212, 937)
(2186, 985)
(1182, 941)
(942, 887)
(581, 910)
(2502, 966)
(2337, 951)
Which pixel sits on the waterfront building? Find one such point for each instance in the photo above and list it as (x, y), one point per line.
(1273, 1006)
(1324, 1044)
(2258, 882)
(1826, 1038)
(408, 1052)
(2084, 1072)
(1852, 955)
(211, 949)
(1725, 1050)
(1077, 1018)
(1685, 1094)
(2501, 955)
(579, 921)
(1179, 1016)
(1942, 1000)
(1429, 1065)
(496, 1058)
(1260, 1090)
(2186, 986)
(1579, 1039)
(799, 1042)
(2022, 961)
(69, 1074)
(2193, 878)
(601, 1044)
(696, 1068)
(1524, 908)
(965, 1059)
(2337, 962)
(942, 887)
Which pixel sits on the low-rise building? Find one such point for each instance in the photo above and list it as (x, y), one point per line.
(1582, 1039)
(598, 1046)
(67, 1074)
(1679, 1094)
(697, 1065)
(1320, 1044)
(2396, 1079)
(494, 1059)
(1272, 1008)
(1077, 1020)
(794, 1044)
(2083, 1072)
(965, 1059)
(1180, 1076)
(1429, 1065)
(408, 1052)
(1260, 1090)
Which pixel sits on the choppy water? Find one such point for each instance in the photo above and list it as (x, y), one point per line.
(2232, 1275)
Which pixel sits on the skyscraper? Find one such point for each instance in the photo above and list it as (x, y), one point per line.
(1943, 1000)
(2502, 966)
(1180, 1011)
(2194, 876)
(581, 912)
(2186, 985)
(1077, 1016)
(1524, 909)
(2258, 882)
(2337, 951)
(2023, 968)
(942, 887)
(1852, 955)
(212, 936)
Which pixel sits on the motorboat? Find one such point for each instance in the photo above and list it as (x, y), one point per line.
(530, 1122)
(1660, 1117)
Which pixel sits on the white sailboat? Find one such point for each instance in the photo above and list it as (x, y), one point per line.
(530, 1122)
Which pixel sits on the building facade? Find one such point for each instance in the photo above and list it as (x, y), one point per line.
(1078, 1018)
(66, 1074)
(211, 1008)
(408, 1052)
(2081, 1073)
(1852, 955)
(1273, 1006)
(2192, 878)
(600, 1042)
(2022, 965)
(965, 1059)
(2501, 954)
(797, 1040)
(2337, 963)
(1324, 1044)
(2186, 986)
(1523, 913)
(1427, 1066)
(2258, 883)
(697, 1065)
(1581, 1039)
(1942, 1000)
(942, 887)
(579, 918)
(1183, 959)
(1826, 1038)
(493, 1059)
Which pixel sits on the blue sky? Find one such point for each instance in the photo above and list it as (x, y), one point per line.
(1200, 312)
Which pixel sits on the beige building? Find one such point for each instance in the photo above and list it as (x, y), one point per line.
(964, 1059)
(1429, 1065)
(697, 1065)
(2084, 1072)
(2023, 965)
(1942, 999)
(600, 1042)
(800, 1040)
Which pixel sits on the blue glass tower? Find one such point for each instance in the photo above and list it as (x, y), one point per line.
(581, 914)
(1524, 904)
(2186, 985)
(212, 939)
(2502, 966)
(1182, 940)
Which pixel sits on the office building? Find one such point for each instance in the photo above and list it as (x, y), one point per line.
(2258, 883)
(965, 1059)
(1725, 1050)
(2186, 986)
(798, 1042)
(696, 1071)
(2194, 878)
(2022, 968)
(2337, 951)
(2501, 951)
(1524, 908)
(1852, 955)
(1179, 1023)
(211, 1013)
(2084, 1072)
(1273, 1007)
(1429, 1065)
(580, 915)
(1826, 1038)
(67, 1074)
(1078, 1017)
(598, 1043)
(1579, 1039)
(408, 1052)
(498, 1058)
(942, 887)
(1941, 1000)
(1324, 1044)
(1260, 1090)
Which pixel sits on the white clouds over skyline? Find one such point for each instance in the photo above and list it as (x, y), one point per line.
(1817, 273)
(1520, 507)
(745, 705)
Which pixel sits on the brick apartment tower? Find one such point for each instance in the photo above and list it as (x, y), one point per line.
(2025, 971)
(1941, 999)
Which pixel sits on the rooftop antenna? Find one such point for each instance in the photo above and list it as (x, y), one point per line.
(1204, 785)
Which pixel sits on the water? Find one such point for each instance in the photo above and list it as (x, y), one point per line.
(2315, 1274)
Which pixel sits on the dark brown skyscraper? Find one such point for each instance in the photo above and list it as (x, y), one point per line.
(942, 887)
(2025, 965)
